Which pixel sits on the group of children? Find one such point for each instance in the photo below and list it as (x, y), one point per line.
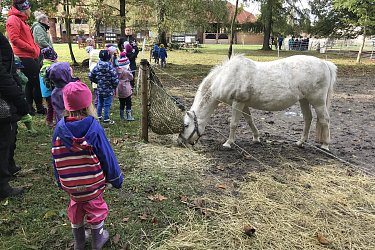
(111, 75)
(160, 53)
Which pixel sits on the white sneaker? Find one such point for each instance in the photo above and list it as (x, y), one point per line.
(109, 121)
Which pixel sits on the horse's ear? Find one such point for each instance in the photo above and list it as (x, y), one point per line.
(190, 114)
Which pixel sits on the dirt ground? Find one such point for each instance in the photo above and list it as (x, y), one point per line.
(352, 133)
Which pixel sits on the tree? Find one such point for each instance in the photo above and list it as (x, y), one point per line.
(364, 17)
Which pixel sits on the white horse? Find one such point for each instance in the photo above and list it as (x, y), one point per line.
(271, 86)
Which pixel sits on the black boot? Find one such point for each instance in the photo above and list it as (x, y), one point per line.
(7, 191)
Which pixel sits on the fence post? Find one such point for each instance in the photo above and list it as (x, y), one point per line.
(144, 71)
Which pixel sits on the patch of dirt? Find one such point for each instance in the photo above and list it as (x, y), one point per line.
(352, 132)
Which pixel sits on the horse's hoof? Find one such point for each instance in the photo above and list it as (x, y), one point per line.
(299, 144)
(226, 145)
(324, 147)
(256, 140)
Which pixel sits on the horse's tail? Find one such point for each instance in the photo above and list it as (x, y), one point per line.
(332, 70)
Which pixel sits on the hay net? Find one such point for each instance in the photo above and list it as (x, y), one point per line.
(165, 117)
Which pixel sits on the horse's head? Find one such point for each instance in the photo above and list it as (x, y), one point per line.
(192, 130)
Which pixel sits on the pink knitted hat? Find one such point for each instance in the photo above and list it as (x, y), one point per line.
(76, 96)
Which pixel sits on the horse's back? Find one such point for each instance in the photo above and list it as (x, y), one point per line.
(273, 85)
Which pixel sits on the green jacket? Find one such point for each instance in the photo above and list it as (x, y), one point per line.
(41, 36)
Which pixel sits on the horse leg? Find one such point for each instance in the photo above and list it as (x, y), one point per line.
(322, 126)
(307, 118)
(249, 120)
(237, 107)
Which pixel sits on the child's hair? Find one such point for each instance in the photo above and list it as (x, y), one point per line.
(89, 111)
(161, 45)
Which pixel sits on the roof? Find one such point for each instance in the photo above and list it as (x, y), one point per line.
(242, 17)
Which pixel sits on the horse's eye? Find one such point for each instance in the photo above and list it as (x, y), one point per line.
(186, 125)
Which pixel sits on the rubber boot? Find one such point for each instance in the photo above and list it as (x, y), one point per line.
(79, 238)
(129, 116)
(122, 114)
(28, 121)
(99, 237)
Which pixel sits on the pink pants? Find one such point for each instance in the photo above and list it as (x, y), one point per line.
(95, 211)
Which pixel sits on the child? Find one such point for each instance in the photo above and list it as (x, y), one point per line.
(26, 119)
(60, 74)
(104, 74)
(49, 57)
(163, 56)
(124, 90)
(155, 53)
(84, 162)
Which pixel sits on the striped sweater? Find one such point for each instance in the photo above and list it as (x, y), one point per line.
(83, 159)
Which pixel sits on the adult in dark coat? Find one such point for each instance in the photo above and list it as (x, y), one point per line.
(127, 38)
(10, 91)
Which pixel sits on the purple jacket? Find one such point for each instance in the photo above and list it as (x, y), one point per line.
(60, 74)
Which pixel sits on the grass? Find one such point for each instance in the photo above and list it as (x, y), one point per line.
(193, 215)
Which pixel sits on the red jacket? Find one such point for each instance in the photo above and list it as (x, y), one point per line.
(20, 35)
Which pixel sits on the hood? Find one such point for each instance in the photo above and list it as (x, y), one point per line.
(14, 12)
(60, 74)
(74, 134)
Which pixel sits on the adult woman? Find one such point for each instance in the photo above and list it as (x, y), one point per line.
(27, 50)
(13, 95)
(40, 30)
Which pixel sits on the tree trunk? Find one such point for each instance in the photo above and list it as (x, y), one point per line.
(68, 32)
(232, 30)
(362, 45)
(123, 17)
(267, 25)
(162, 34)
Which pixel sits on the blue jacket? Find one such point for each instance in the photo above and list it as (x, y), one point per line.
(92, 133)
(162, 53)
(105, 75)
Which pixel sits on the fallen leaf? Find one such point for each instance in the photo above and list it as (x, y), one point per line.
(198, 202)
(322, 240)
(249, 230)
(221, 186)
(49, 214)
(143, 216)
(53, 231)
(116, 238)
(154, 220)
(126, 219)
(157, 197)
(184, 198)
(222, 168)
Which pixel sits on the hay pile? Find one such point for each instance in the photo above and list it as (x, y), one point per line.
(165, 117)
(326, 207)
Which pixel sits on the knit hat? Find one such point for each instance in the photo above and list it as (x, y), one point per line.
(112, 49)
(49, 54)
(104, 55)
(76, 96)
(128, 48)
(21, 4)
(123, 54)
(123, 61)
